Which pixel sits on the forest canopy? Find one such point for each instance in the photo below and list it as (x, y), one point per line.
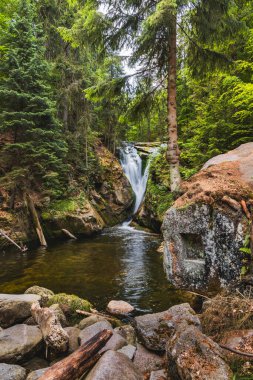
(73, 71)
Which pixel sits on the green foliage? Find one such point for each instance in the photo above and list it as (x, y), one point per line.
(35, 150)
(70, 303)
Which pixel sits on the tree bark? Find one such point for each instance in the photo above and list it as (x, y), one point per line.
(36, 221)
(53, 333)
(75, 365)
(173, 153)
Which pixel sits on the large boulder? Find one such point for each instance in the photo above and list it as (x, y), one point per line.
(147, 361)
(114, 366)
(88, 333)
(12, 372)
(206, 227)
(154, 329)
(193, 356)
(19, 342)
(15, 308)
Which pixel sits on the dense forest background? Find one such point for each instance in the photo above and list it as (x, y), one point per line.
(65, 82)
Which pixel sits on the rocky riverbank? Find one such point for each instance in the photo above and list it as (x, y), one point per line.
(174, 344)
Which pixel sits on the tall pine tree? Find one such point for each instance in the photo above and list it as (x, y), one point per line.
(32, 147)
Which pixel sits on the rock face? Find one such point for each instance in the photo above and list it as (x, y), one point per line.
(206, 227)
(194, 356)
(114, 366)
(19, 342)
(119, 308)
(15, 308)
(12, 372)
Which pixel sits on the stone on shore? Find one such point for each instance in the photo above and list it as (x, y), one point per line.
(147, 361)
(19, 342)
(128, 332)
(114, 366)
(119, 308)
(16, 308)
(116, 342)
(93, 330)
(128, 350)
(44, 293)
(86, 322)
(192, 355)
(154, 329)
(73, 333)
(12, 372)
(35, 375)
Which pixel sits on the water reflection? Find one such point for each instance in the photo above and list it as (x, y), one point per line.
(120, 263)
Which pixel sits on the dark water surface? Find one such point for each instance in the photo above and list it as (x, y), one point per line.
(121, 263)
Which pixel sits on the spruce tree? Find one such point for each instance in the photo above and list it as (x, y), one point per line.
(32, 149)
(151, 28)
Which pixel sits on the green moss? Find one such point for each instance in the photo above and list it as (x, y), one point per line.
(64, 206)
(72, 303)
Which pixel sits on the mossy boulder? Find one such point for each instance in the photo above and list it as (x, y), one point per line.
(69, 303)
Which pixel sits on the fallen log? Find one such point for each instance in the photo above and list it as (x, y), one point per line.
(36, 220)
(69, 234)
(53, 333)
(75, 365)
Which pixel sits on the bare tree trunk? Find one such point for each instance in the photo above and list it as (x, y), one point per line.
(36, 221)
(173, 153)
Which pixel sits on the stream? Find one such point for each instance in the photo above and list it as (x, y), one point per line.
(119, 263)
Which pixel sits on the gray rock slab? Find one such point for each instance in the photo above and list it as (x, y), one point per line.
(86, 322)
(92, 330)
(147, 361)
(35, 375)
(114, 366)
(114, 343)
(15, 308)
(12, 372)
(19, 342)
(128, 350)
(73, 333)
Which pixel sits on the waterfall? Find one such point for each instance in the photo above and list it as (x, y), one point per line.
(131, 164)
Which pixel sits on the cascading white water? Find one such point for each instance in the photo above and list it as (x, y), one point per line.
(132, 166)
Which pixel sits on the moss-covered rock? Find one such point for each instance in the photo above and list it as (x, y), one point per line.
(69, 303)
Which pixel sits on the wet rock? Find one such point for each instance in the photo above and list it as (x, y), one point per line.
(159, 375)
(114, 366)
(128, 332)
(154, 329)
(115, 343)
(12, 372)
(192, 355)
(73, 333)
(86, 322)
(206, 227)
(59, 313)
(44, 293)
(92, 330)
(35, 375)
(240, 340)
(19, 342)
(147, 361)
(15, 308)
(119, 308)
(128, 350)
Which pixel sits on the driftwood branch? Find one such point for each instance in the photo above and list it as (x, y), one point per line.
(236, 351)
(69, 234)
(4, 235)
(75, 365)
(245, 209)
(53, 333)
(87, 314)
